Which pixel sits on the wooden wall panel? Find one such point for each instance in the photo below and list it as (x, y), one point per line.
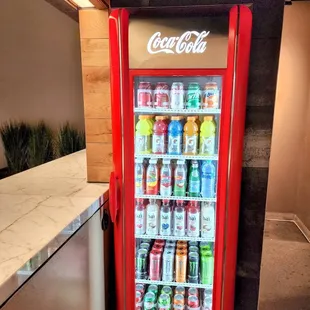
(96, 91)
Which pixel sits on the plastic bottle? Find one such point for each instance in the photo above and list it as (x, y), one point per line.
(207, 179)
(175, 131)
(207, 220)
(140, 217)
(159, 141)
(190, 137)
(194, 180)
(165, 225)
(152, 218)
(207, 136)
(143, 135)
(193, 219)
(197, 121)
(179, 219)
(139, 177)
(206, 267)
(152, 178)
(166, 179)
(179, 179)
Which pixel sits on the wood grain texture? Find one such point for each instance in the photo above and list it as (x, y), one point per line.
(98, 130)
(95, 52)
(94, 24)
(99, 154)
(97, 105)
(96, 79)
(98, 173)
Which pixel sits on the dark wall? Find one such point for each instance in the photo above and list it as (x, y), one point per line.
(266, 38)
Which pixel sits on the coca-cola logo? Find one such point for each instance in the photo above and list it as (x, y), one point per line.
(178, 45)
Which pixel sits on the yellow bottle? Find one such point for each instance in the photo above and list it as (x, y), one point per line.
(207, 136)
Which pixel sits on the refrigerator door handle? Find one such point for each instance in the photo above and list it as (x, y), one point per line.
(113, 196)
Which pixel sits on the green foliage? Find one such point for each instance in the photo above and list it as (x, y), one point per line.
(41, 149)
(15, 137)
(69, 140)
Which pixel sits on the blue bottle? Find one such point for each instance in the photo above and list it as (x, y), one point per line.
(175, 136)
(207, 179)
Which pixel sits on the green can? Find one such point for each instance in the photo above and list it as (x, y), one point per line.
(193, 97)
(149, 301)
(153, 288)
(204, 246)
(193, 267)
(141, 264)
(206, 267)
(167, 290)
(164, 301)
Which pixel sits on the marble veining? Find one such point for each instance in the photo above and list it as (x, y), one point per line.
(36, 205)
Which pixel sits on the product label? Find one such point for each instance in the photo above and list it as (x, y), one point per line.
(190, 146)
(161, 97)
(211, 98)
(139, 179)
(158, 145)
(165, 184)
(193, 224)
(179, 223)
(151, 225)
(165, 223)
(175, 145)
(179, 182)
(142, 144)
(193, 99)
(145, 98)
(152, 181)
(207, 222)
(140, 222)
(208, 145)
(194, 186)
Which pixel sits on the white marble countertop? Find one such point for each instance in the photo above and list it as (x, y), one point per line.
(38, 204)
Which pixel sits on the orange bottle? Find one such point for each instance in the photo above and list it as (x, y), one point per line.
(190, 137)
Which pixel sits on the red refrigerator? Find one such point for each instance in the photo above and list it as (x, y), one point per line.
(178, 89)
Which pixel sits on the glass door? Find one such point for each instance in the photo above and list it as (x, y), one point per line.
(177, 122)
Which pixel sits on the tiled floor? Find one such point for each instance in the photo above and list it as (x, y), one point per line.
(285, 273)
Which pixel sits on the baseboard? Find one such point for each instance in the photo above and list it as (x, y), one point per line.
(289, 217)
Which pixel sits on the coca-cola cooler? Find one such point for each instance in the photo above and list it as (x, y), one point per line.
(178, 89)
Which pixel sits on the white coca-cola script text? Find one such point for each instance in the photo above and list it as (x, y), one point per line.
(189, 42)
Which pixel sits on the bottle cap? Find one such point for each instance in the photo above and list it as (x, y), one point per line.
(180, 162)
(191, 118)
(153, 161)
(166, 161)
(139, 160)
(208, 118)
(143, 116)
(158, 118)
(175, 118)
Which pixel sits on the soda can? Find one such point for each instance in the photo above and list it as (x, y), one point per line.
(161, 95)
(180, 267)
(158, 248)
(168, 266)
(193, 97)
(153, 288)
(178, 301)
(193, 302)
(206, 267)
(180, 290)
(163, 301)
(182, 248)
(193, 267)
(210, 98)
(192, 243)
(149, 241)
(177, 96)
(169, 247)
(138, 297)
(160, 242)
(141, 264)
(193, 249)
(193, 291)
(140, 288)
(181, 242)
(204, 246)
(145, 246)
(145, 95)
(155, 265)
(149, 300)
(167, 290)
(207, 303)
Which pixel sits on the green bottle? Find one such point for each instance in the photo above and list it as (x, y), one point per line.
(194, 181)
(207, 267)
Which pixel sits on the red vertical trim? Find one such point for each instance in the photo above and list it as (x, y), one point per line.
(242, 69)
(117, 152)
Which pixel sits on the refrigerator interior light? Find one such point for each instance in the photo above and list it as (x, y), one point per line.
(81, 3)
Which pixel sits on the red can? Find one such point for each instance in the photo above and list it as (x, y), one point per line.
(158, 247)
(160, 242)
(193, 302)
(161, 95)
(155, 265)
(145, 94)
(140, 288)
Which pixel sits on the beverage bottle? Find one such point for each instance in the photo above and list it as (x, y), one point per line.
(168, 265)
(143, 135)
(190, 137)
(139, 177)
(150, 119)
(152, 178)
(197, 121)
(180, 179)
(152, 218)
(193, 219)
(207, 136)
(166, 179)
(207, 179)
(140, 217)
(165, 226)
(207, 220)
(206, 267)
(193, 97)
(179, 219)
(175, 131)
(159, 141)
(194, 180)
